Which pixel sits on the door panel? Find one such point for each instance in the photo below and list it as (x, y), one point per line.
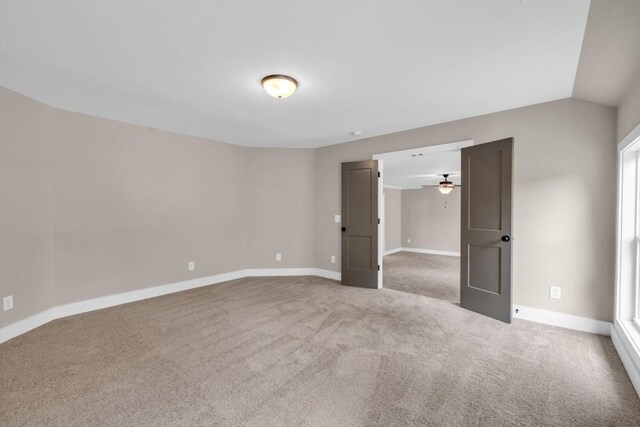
(485, 258)
(360, 224)
(484, 268)
(359, 252)
(359, 202)
(485, 172)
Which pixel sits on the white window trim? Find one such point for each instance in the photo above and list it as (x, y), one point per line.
(626, 328)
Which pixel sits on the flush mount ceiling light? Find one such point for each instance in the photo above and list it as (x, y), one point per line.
(279, 86)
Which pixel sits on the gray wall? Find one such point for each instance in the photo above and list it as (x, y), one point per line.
(281, 214)
(120, 207)
(26, 212)
(92, 207)
(392, 218)
(427, 222)
(564, 197)
(134, 205)
(629, 111)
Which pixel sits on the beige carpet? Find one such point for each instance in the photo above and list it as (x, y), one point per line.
(434, 276)
(307, 351)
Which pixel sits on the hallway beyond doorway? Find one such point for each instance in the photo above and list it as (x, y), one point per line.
(433, 276)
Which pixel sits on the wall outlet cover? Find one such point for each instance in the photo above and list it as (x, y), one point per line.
(555, 292)
(278, 257)
(191, 266)
(7, 303)
(333, 259)
(337, 218)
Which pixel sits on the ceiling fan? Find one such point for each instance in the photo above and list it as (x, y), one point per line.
(445, 186)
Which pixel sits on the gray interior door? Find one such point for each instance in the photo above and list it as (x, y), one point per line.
(485, 250)
(360, 224)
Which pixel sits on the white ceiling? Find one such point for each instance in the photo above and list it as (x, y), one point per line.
(195, 66)
(410, 169)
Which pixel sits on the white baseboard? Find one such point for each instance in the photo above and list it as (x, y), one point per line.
(628, 351)
(269, 272)
(568, 321)
(140, 294)
(20, 327)
(430, 251)
(25, 325)
(266, 272)
(392, 251)
(328, 274)
(32, 322)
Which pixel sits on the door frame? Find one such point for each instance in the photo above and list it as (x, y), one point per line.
(380, 157)
(382, 214)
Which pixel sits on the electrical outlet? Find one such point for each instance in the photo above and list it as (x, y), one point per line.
(191, 266)
(555, 292)
(278, 257)
(333, 259)
(337, 218)
(7, 303)
(408, 240)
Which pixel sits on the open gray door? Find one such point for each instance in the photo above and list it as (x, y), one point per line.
(360, 224)
(485, 257)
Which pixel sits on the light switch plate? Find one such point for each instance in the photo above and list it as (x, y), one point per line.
(555, 292)
(337, 218)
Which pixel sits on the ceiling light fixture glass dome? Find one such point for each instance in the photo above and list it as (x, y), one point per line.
(446, 186)
(279, 86)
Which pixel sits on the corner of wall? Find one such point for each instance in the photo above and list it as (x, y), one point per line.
(629, 110)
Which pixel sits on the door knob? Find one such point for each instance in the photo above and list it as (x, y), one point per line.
(505, 238)
(344, 228)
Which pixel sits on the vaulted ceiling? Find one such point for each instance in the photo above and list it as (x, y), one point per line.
(610, 57)
(377, 67)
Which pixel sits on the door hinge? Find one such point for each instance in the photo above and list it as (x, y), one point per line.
(378, 267)
(378, 174)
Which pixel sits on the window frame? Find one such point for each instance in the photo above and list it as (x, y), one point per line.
(627, 298)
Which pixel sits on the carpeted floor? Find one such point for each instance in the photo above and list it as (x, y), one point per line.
(307, 351)
(434, 276)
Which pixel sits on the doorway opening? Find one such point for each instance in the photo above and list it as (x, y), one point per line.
(420, 213)
(485, 221)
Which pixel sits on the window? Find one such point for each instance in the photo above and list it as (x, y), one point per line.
(627, 308)
(626, 326)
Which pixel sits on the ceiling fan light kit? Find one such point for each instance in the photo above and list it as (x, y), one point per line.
(446, 186)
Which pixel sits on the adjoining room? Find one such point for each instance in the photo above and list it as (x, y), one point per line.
(421, 220)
